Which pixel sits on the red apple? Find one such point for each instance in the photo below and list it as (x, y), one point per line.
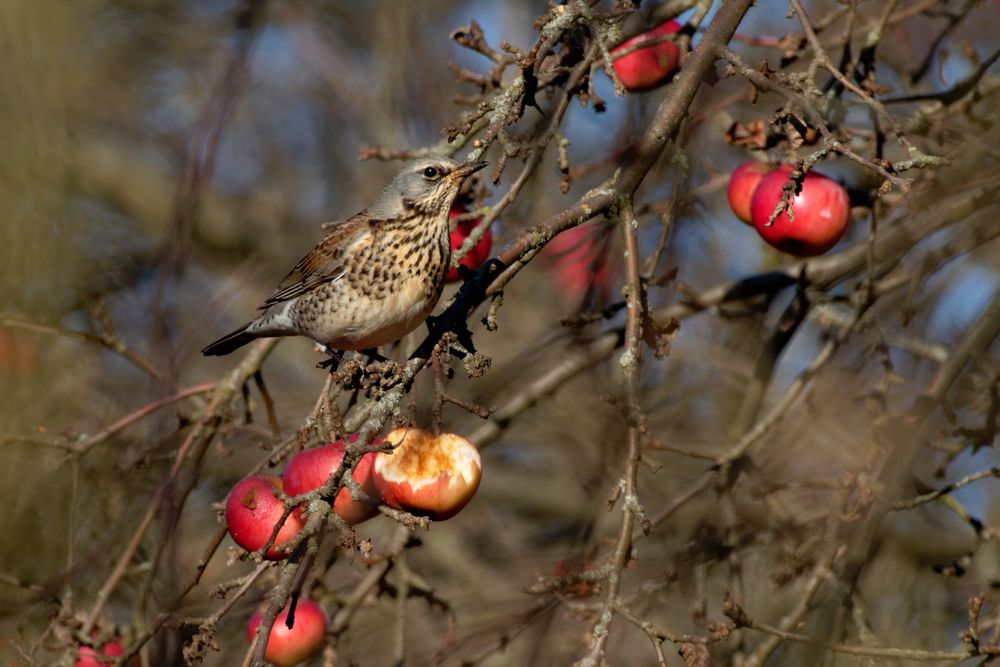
(288, 646)
(89, 658)
(647, 67)
(252, 511)
(310, 469)
(479, 252)
(743, 183)
(821, 212)
(428, 475)
(579, 262)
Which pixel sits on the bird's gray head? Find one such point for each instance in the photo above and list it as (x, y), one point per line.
(433, 181)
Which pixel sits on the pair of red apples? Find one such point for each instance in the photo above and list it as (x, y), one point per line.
(820, 208)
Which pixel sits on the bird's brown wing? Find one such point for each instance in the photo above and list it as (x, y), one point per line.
(325, 262)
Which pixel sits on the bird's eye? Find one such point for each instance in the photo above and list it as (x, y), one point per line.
(431, 172)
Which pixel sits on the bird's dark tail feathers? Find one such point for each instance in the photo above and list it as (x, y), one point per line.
(227, 344)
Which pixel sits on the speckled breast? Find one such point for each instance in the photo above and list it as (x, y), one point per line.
(392, 290)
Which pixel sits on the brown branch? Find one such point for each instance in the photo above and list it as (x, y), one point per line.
(166, 617)
(831, 142)
(86, 444)
(545, 384)
(920, 655)
(954, 19)
(195, 445)
(667, 121)
(823, 272)
(794, 617)
(202, 151)
(534, 159)
(375, 574)
(272, 418)
(276, 600)
(794, 391)
(945, 490)
(907, 433)
(819, 53)
(631, 363)
(975, 342)
(101, 340)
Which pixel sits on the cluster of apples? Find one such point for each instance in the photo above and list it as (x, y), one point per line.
(424, 474)
(820, 208)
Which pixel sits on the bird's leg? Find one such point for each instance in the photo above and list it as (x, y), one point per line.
(333, 361)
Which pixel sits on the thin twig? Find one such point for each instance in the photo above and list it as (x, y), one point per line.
(86, 444)
(101, 340)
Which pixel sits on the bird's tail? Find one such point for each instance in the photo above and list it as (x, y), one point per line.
(229, 343)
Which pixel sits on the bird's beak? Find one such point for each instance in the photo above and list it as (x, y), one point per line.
(467, 169)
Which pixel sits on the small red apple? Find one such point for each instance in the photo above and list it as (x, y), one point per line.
(821, 211)
(743, 183)
(578, 259)
(479, 252)
(252, 511)
(288, 646)
(310, 469)
(647, 67)
(428, 475)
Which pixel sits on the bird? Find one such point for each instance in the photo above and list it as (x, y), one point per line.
(375, 276)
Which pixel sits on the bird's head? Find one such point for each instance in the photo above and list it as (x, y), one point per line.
(430, 183)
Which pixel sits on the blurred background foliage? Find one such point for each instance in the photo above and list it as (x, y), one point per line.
(101, 102)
